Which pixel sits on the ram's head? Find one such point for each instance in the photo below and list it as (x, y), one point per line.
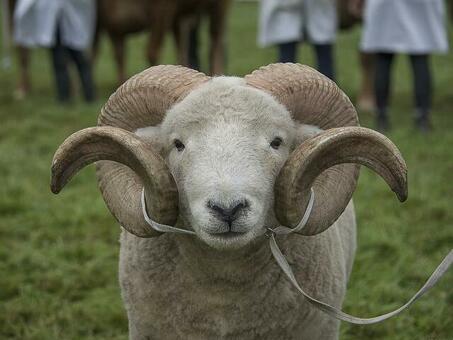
(228, 157)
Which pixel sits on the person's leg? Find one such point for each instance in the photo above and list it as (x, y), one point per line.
(382, 88)
(287, 52)
(422, 90)
(84, 69)
(60, 69)
(324, 57)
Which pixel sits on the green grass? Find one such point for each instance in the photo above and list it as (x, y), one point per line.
(59, 254)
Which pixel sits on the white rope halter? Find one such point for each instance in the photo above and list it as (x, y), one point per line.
(284, 265)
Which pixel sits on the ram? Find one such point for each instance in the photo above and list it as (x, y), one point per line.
(227, 158)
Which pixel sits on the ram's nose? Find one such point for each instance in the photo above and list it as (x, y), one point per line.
(227, 213)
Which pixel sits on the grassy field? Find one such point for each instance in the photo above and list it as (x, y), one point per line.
(59, 254)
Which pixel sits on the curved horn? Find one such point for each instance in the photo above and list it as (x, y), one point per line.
(114, 144)
(332, 147)
(141, 101)
(313, 99)
(308, 95)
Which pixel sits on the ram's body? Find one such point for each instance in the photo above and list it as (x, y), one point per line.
(174, 289)
(174, 286)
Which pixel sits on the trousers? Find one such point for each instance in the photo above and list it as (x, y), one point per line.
(60, 56)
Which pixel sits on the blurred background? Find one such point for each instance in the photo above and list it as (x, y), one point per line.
(59, 254)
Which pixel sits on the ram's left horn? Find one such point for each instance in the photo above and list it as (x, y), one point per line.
(332, 147)
(114, 144)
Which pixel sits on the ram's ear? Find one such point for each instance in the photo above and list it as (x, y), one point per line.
(304, 132)
(153, 136)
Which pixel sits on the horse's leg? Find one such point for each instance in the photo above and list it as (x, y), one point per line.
(366, 100)
(24, 85)
(217, 22)
(118, 53)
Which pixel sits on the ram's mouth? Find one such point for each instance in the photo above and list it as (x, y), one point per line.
(228, 240)
(228, 235)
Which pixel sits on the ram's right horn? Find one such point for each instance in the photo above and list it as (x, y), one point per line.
(314, 156)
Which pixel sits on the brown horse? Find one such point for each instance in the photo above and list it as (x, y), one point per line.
(119, 19)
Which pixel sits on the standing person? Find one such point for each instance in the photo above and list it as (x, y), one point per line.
(286, 22)
(67, 28)
(413, 27)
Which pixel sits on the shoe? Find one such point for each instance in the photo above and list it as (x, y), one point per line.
(422, 121)
(423, 124)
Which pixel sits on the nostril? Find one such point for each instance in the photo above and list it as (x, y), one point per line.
(227, 213)
(238, 207)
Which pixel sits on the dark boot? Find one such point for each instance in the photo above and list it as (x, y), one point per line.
(422, 120)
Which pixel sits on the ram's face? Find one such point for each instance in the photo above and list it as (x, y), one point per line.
(225, 175)
(225, 146)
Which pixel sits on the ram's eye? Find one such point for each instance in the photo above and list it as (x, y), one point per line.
(178, 145)
(275, 144)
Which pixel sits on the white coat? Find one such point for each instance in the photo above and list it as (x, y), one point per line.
(35, 22)
(404, 26)
(284, 21)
